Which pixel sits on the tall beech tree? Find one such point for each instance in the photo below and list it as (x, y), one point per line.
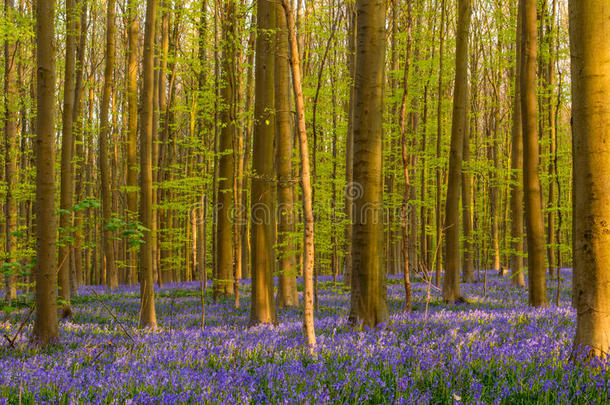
(11, 157)
(534, 221)
(262, 309)
(368, 289)
(287, 282)
(148, 317)
(405, 162)
(349, 140)
(46, 327)
(223, 284)
(112, 280)
(308, 232)
(132, 125)
(590, 54)
(459, 126)
(516, 162)
(67, 148)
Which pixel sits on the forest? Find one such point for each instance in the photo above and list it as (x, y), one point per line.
(305, 201)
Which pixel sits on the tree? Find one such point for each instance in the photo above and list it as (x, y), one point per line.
(405, 162)
(105, 129)
(132, 125)
(308, 232)
(78, 131)
(148, 317)
(590, 54)
(516, 190)
(11, 152)
(46, 327)
(459, 125)
(439, 136)
(368, 290)
(349, 141)
(534, 222)
(223, 284)
(287, 291)
(67, 147)
(262, 309)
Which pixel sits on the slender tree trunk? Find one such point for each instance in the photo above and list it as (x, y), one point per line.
(349, 144)
(204, 160)
(148, 317)
(263, 257)
(11, 152)
(467, 206)
(533, 200)
(590, 50)
(67, 147)
(553, 204)
(105, 131)
(46, 327)
(223, 283)
(439, 137)
(245, 231)
(494, 192)
(459, 126)
(369, 291)
(287, 292)
(79, 150)
(516, 190)
(132, 127)
(308, 233)
(406, 211)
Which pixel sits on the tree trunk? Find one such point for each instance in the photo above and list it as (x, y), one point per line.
(533, 200)
(459, 126)
(369, 292)
(78, 129)
(132, 128)
(46, 327)
(223, 283)
(349, 145)
(148, 317)
(439, 137)
(308, 233)
(287, 292)
(467, 206)
(590, 50)
(105, 131)
(11, 153)
(516, 190)
(67, 147)
(262, 308)
(245, 228)
(406, 211)
(553, 204)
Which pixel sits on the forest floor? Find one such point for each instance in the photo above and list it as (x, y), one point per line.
(493, 349)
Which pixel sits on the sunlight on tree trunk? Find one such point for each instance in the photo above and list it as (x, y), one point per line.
(369, 291)
(287, 289)
(308, 233)
(262, 308)
(590, 50)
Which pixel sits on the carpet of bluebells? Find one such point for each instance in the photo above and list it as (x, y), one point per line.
(491, 349)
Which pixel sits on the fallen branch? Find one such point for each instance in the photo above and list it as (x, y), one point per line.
(12, 341)
(112, 315)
